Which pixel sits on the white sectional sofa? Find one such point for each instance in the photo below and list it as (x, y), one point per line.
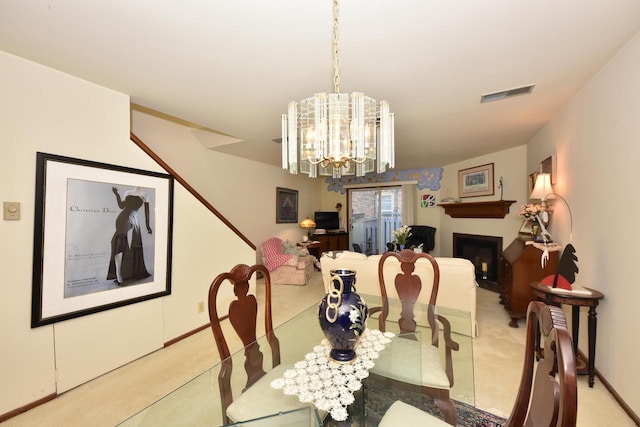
(457, 287)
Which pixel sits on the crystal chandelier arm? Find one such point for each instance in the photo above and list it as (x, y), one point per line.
(316, 162)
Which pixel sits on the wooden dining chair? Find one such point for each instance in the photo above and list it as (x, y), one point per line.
(257, 398)
(548, 399)
(436, 378)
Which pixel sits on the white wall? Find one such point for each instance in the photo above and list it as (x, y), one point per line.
(243, 191)
(596, 140)
(328, 200)
(431, 216)
(44, 110)
(508, 164)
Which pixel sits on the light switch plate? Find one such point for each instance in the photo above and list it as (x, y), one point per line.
(11, 210)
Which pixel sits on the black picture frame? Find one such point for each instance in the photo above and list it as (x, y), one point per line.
(286, 206)
(102, 237)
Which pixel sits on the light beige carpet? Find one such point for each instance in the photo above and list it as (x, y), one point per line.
(117, 395)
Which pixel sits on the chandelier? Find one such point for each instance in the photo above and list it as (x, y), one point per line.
(337, 133)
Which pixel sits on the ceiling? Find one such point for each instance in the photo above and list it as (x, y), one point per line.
(230, 67)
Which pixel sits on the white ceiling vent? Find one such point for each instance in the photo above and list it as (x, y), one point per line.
(506, 93)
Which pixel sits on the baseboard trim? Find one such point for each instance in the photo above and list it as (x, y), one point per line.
(187, 335)
(25, 408)
(618, 399)
(614, 393)
(192, 332)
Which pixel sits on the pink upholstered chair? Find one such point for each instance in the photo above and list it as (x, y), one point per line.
(284, 268)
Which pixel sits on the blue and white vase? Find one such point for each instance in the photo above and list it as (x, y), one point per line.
(342, 314)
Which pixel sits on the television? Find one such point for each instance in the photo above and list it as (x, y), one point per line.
(327, 220)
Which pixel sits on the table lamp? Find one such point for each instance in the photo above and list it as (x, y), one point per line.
(309, 224)
(542, 186)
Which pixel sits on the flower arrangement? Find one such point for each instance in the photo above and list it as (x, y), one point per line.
(402, 234)
(530, 212)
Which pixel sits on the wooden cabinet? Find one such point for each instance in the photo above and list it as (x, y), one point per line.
(332, 242)
(521, 266)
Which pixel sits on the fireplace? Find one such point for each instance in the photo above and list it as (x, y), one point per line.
(484, 253)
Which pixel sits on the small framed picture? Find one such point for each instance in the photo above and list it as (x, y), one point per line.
(526, 228)
(476, 181)
(286, 206)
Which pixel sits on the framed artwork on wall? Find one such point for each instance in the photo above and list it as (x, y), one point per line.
(102, 237)
(476, 181)
(286, 206)
(532, 181)
(548, 165)
(526, 228)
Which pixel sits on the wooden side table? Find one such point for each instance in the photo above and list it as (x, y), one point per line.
(575, 300)
(312, 247)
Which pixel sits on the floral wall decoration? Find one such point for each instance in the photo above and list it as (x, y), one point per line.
(428, 201)
(428, 178)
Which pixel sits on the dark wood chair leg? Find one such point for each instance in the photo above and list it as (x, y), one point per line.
(448, 410)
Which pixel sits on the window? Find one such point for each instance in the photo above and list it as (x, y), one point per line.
(387, 200)
(374, 214)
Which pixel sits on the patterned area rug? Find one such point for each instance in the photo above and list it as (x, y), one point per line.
(379, 398)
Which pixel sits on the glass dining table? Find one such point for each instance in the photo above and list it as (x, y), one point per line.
(197, 403)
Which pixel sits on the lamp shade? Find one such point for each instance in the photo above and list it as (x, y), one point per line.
(542, 186)
(307, 223)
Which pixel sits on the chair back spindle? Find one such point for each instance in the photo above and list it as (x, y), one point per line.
(408, 287)
(550, 397)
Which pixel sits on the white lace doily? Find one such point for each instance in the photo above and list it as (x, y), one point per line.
(328, 384)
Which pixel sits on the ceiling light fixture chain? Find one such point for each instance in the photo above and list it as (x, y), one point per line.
(336, 53)
(337, 134)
